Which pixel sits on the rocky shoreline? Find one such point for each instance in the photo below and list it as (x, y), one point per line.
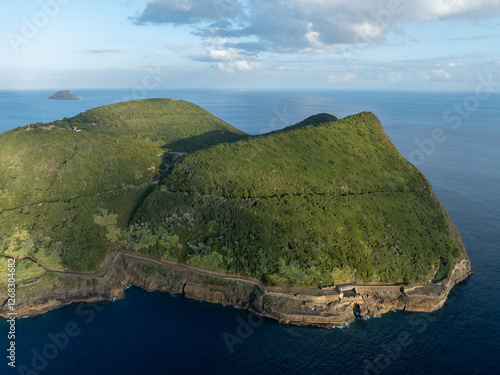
(301, 306)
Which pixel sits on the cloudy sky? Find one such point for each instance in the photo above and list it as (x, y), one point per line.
(304, 44)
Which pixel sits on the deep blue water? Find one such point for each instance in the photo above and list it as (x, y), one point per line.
(155, 333)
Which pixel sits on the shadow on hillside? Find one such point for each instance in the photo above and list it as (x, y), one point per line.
(202, 141)
(139, 203)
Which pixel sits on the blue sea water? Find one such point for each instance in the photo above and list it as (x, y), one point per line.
(155, 333)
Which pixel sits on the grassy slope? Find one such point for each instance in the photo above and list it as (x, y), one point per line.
(309, 205)
(320, 118)
(42, 166)
(347, 156)
(48, 178)
(173, 124)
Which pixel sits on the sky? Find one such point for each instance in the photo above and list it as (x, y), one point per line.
(448, 45)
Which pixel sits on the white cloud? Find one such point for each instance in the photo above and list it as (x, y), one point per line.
(347, 77)
(471, 9)
(182, 12)
(238, 66)
(103, 50)
(310, 25)
(465, 70)
(219, 51)
(395, 77)
(236, 35)
(228, 58)
(439, 74)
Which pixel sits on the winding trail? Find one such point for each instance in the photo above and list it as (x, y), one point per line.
(111, 258)
(161, 173)
(265, 289)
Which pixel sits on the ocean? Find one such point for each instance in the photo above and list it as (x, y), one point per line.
(454, 138)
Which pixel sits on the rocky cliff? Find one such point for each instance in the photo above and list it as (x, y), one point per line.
(300, 307)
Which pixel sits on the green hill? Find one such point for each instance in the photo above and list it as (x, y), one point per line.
(349, 156)
(320, 118)
(102, 149)
(51, 173)
(323, 200)
(318, 203)
(174, 124)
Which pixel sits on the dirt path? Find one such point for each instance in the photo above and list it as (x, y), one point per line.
(309, 290)
(160, 174)
(304, 291)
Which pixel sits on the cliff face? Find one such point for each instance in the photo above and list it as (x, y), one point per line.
(361, 301)
(60, 289)
(323, 309)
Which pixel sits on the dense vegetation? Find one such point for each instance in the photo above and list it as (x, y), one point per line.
(57, 165)
(318, 119)
(52, 177)
(349, 156)
(173, 124)
(314, 204)
(298, 239)
(324, 200)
